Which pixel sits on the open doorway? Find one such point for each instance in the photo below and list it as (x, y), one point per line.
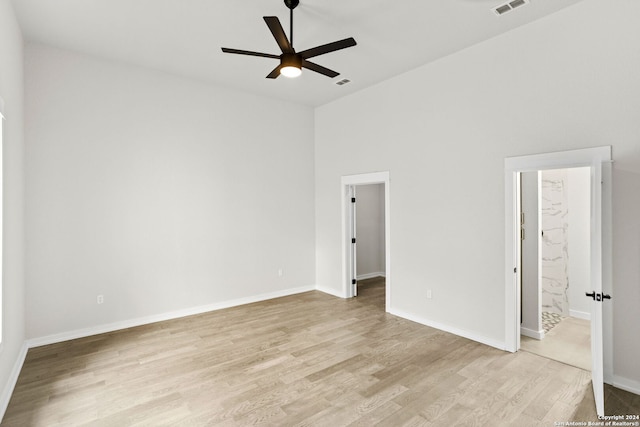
(369, 243)
(599, 161)
(366, 234)
(555, 267)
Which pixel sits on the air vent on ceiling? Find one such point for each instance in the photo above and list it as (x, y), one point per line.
(343, 82)
(509, 6)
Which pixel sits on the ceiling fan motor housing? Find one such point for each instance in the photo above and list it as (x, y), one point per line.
(291, 4)
(291, 60)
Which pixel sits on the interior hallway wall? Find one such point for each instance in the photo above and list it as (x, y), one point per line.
(370, 260)
(531, 294)
(579, 241)
(443, 131)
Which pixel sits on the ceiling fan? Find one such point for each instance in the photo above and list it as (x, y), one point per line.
(292, 62)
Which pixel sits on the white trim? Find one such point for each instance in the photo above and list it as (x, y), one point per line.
(345, 184)
(450, 329)
(110, 327)
(365, 178)
(626, 384)
(5, 397)
(558, 160)
(580, 314)
(330, 291)
(370, 275)
(538, 335)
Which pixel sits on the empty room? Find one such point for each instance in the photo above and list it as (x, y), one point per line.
(282, 212)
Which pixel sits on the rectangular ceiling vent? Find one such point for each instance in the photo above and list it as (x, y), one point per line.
(509, 6)
(343, 82)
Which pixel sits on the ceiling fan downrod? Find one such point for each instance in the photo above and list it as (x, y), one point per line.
(291, 4)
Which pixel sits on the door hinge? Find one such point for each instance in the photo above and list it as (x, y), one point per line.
(515, 269)
(353, 281)
(353, 240)
(353, 200)
(522, 234)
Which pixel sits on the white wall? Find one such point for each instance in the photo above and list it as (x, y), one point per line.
(626, 274)
(564, 82)
(579, 240)
(370, 230)
(11, 90)
(161, 194)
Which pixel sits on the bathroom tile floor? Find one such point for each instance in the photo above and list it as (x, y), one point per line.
(549, 320)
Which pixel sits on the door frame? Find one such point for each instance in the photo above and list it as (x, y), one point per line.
(346, 183)
(602, 222)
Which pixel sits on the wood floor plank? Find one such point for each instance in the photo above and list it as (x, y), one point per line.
(306, 359)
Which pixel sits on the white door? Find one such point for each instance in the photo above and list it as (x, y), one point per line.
(597, 371)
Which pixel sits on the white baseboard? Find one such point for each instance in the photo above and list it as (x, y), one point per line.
(370, 275)
(580, 314)
(626, 384)
(531, 333)
(101, 329)
(5, 397)
(330, 291)
(451, 329)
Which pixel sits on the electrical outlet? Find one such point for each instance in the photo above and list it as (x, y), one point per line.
(100, 299)
(428, 293)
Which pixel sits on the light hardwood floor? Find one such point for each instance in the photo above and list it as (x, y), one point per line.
(568, 342)
(307, 359)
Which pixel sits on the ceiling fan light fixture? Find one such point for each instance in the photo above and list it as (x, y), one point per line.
(290, 71)
(290, 65)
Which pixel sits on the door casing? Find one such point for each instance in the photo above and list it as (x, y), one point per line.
(599, 159)
(346, 183)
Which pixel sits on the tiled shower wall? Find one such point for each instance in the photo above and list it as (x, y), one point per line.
(554, 244)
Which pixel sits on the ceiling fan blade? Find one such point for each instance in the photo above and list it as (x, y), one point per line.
(248, 52)
(319, 69)
(329, 47)
(275, 73)
(278, 33)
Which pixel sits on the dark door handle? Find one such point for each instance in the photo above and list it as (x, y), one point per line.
(597, 297)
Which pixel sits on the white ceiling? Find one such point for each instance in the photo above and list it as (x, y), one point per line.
(184, 37)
